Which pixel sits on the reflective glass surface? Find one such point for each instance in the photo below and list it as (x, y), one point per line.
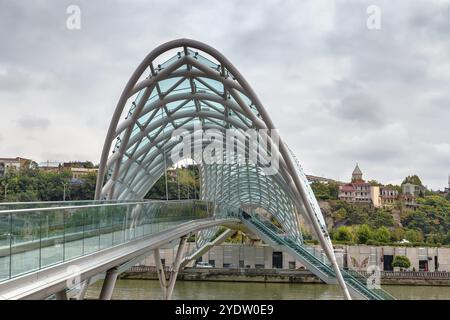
(31, 239)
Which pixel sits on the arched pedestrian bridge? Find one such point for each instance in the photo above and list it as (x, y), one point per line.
(184, 101)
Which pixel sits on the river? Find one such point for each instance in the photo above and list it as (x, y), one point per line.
(208, 290)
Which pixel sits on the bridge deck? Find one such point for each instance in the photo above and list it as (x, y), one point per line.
(41, 283)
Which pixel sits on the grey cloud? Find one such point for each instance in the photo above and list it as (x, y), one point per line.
(33, 123)
(338, 92)
(359, 108)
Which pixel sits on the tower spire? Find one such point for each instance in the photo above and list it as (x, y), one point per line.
(357, 174)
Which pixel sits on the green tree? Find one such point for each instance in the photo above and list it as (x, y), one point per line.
(398, 234)
(431, 216)
(363, 233)
(414, 235)
(325, 191)
(320, 190)
(84, 188)
(374, 183)
(343, 233)
(414, 179)
(401, 262)
(381, 218)
(383, 235)
(333, 188)
(339, 215)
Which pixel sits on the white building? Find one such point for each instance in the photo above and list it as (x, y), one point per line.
(13, 164)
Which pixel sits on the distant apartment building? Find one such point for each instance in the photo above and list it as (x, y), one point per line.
(410, 192)
(52, 166)
(412, 189)
(357, 190)
(388, 197)
(13, 164)
(409, 201)
(78, 173)
(79, 169)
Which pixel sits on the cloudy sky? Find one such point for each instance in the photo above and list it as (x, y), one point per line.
(339, 92)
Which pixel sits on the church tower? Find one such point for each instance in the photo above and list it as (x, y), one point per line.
(357, 174)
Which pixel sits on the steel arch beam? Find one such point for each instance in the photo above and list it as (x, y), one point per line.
(237, 99)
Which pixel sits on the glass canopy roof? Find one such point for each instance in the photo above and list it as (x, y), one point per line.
(197, 90)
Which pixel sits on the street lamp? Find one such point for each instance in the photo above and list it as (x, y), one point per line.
(6, 189)
(64, 191)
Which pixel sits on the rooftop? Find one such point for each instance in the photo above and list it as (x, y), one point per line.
(357, 170)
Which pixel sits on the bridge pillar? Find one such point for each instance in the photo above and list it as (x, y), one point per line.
(176, 267)
(61, 295)
(161, 273)
(108, 284)
(84, 288)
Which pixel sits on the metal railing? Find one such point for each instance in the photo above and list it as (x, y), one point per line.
(35, 238)
(357, 281)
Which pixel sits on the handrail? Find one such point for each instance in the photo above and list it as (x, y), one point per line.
(95, 205)
(357, 281)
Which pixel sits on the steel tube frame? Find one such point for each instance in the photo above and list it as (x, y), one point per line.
(161, 273)
(235, 87)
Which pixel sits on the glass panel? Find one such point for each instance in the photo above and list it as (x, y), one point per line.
(48, 236)
(106, 230)
(73, 246)
(5, 229)
(118, 225)
(52, 237)
(25, 250)
(91, 236)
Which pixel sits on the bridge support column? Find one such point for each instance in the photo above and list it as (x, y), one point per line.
(61, 295)
(84, 288)
(108, 284)
(176, 267)
(161, 273)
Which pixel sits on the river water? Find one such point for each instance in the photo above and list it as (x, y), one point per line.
(208, 290)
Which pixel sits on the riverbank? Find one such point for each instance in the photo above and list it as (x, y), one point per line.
(282, 276)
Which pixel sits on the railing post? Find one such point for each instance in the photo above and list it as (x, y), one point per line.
(82, 229)
(98, 211)
(64, 236)
(10, 243)
(40, 239)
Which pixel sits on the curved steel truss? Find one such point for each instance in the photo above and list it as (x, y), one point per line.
(197, 87)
